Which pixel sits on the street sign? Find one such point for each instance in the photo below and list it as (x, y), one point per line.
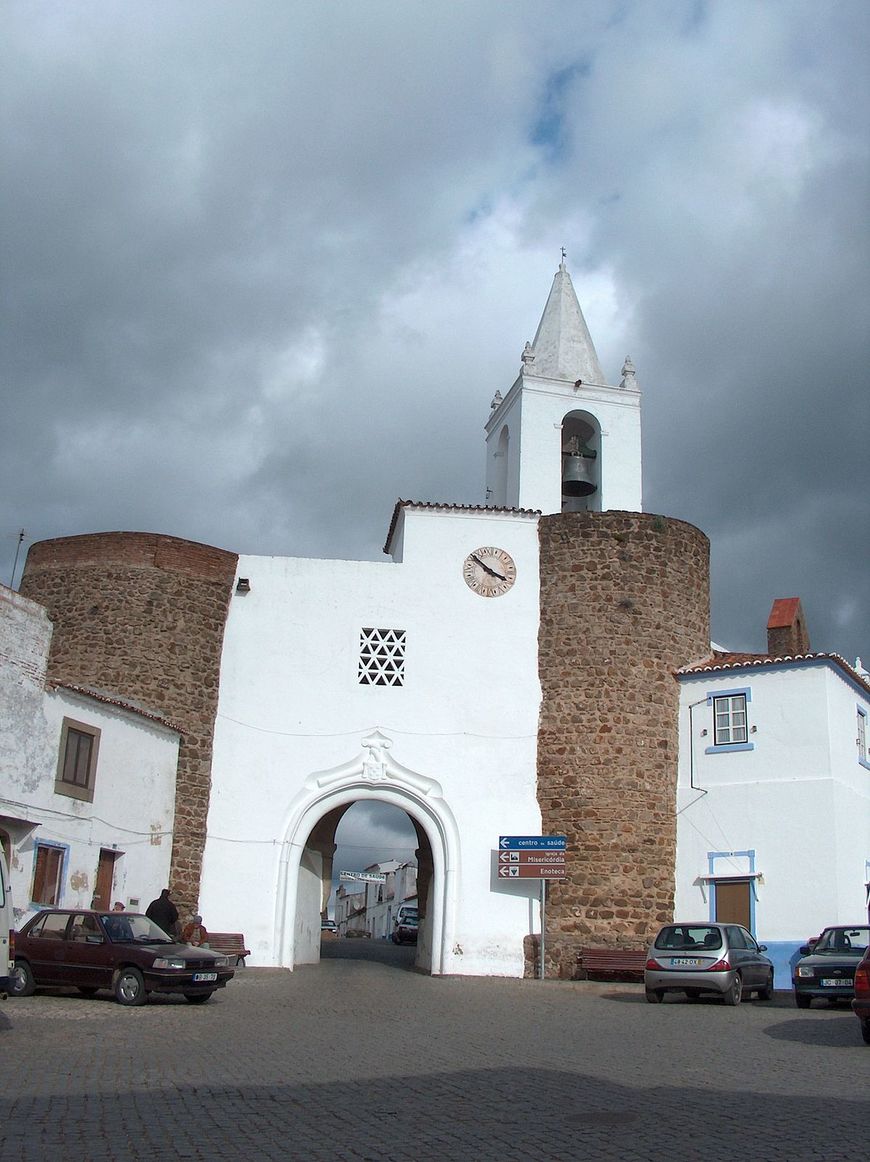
(535, 858)
(364, 877)
(524, 842)
(528, 871)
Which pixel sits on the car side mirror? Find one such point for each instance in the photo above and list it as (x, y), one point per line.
(94, 940)
(805, 950)
(762, 948)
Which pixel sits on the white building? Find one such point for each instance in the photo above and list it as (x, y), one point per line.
(413, 682)
(773, 802)
(509, 666)
(87, 784)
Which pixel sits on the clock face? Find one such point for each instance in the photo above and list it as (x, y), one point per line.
(489, 572)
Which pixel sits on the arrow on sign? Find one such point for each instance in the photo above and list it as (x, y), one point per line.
(504, 872)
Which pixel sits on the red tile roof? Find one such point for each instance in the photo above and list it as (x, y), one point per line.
(725, 660)
(110, 700)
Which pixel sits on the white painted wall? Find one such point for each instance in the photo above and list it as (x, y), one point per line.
(800, 800)
(534, 410)
(134, 794)
(463, 725)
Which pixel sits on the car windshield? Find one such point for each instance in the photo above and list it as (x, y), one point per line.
(837, 940)
(408, 917)
(129, 928)
(689, 938)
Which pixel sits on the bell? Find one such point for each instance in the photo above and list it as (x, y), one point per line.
(576, 475)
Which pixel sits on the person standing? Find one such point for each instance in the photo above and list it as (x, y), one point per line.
(164, 913)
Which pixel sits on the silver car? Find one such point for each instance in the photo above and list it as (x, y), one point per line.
(701, 958)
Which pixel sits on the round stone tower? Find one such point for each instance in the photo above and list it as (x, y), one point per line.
(141, 616)
(624, 603)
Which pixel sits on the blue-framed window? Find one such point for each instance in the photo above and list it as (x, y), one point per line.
(863, 757)
(730, 720)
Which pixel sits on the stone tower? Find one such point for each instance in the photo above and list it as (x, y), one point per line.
(141, 616)
(563, 439)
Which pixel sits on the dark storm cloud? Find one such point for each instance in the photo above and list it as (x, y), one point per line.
(265, 266)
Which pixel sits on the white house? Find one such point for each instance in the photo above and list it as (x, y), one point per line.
(87, 783)
(773, 801)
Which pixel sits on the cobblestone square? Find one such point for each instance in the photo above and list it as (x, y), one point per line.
(366, 1060)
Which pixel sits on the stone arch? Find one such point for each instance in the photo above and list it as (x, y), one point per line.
(372, 775)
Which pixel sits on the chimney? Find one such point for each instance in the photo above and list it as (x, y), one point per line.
(786, 629)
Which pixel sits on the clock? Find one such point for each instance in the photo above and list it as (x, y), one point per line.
(489, 572)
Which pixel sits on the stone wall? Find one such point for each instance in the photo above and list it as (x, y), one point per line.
(141, 616)
(624, 603)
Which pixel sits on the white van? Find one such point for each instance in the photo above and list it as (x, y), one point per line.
(5, 927)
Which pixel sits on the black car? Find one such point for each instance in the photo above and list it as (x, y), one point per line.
(122, 951)
(827, 967)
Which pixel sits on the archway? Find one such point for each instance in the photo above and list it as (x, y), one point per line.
(308, 847)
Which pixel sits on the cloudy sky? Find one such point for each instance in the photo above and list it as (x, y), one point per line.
(266, 263)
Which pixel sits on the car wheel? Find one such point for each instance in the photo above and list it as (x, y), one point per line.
(21, 981)
(766, 992)
(802, 1001)
(130, 987)
(865, 1029)
(734, 995)
(198, 998)
(87, 990)
(654, 996)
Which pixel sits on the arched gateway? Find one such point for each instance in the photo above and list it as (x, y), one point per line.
(374, 775)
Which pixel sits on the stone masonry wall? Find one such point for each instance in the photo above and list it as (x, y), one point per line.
(142, 616)
(624, 603)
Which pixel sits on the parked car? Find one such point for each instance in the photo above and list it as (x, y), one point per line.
(328, 926)
(827, 968)
(861, 999)
(697, 958)
(405, 926)
(122, 951)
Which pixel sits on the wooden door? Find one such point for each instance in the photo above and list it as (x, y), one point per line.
(105, 875)
(732, 902)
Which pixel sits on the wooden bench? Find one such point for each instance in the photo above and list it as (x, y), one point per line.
(230, 944)
(616, 963)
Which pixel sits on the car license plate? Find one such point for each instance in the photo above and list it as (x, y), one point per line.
(201, 976)
(831, 982)
(684, 962)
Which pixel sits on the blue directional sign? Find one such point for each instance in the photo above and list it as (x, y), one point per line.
(538, 842)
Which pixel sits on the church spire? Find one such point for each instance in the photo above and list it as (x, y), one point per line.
(562, 347)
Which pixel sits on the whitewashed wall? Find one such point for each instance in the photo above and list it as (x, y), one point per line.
(800, 800)
(465, 720)
(533, 474)
(134, 793)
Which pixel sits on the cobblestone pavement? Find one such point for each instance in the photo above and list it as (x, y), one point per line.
(366, 1060)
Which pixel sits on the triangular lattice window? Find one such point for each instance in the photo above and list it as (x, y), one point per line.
(382, 657)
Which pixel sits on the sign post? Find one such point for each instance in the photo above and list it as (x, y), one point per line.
(539, 857)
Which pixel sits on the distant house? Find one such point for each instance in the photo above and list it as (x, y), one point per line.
(371, 907)
(773, 797)
(87, 782)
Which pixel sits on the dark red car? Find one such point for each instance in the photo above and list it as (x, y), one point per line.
(122, 951)
(861, 999)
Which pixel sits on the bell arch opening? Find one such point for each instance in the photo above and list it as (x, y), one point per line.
(307, 869)
(581, 462)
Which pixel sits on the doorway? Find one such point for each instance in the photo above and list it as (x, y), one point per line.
(733, 902)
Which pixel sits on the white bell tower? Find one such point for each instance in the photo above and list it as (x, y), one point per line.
(562, 439)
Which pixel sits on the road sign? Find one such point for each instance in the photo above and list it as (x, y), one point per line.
(525, 842)
(530, 871)
(534, 858)
(364, 877)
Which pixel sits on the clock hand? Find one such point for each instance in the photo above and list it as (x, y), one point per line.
(486, 569)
